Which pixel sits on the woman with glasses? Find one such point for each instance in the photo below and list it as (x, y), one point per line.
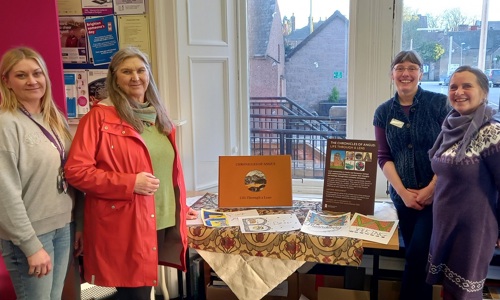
(406, 127)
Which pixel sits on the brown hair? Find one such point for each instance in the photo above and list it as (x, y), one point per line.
(410, 56)
(481, 78)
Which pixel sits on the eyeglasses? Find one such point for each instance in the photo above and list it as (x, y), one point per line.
(401, 69)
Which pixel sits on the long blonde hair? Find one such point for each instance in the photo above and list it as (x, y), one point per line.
(124, 105)
(8, 99)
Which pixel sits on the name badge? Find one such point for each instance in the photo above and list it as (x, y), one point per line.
(397, 123)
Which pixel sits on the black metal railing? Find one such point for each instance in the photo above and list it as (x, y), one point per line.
(279, 126)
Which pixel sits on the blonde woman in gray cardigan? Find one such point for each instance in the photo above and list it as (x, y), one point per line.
(35, 202)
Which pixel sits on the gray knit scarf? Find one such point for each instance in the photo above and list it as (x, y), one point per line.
(461, 129)
(145, 112)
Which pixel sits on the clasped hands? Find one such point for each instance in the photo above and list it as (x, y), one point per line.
(417, 199)
(146, 184)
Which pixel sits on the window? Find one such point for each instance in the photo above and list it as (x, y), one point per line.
(298, 102)
(448, 34)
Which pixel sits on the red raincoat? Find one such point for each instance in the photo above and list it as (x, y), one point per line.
(120, 236)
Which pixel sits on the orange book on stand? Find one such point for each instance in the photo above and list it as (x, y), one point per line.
(255, 181)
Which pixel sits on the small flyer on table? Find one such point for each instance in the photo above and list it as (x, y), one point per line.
(350, 176)
(326, 225)
(103, 38)
(371, 229)
(97, 7)
(213, 218)
(255, 181)
(269, 223)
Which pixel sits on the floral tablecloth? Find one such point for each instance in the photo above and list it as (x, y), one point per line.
(292, 245)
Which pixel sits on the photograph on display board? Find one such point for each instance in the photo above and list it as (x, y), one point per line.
(73, 39)
(97, 86)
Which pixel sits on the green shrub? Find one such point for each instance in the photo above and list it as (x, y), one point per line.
(334, 95)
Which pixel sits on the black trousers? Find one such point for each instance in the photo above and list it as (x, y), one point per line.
(134, 293)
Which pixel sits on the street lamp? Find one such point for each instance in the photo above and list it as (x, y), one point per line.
(461, 53)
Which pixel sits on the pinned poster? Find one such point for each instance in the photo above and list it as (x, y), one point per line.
(73, 39)
(82, 91)
(133, 30)
(97, 85)
(103, 38)
(69, 7)
(97, 7)
(129, 7)
(70, 87)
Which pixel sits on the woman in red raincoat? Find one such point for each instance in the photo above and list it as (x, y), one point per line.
(125, 159)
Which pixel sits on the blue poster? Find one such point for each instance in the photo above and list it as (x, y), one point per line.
(101, 32)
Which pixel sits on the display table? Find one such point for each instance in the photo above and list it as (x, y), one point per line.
(291, 245)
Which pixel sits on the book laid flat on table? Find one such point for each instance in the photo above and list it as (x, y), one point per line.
(255, 181)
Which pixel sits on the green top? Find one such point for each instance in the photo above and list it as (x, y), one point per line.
(162, 156)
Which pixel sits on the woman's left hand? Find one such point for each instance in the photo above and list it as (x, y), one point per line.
(191, 214)
(78, 247)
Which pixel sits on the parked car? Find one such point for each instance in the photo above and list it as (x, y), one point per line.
(445, 81)
(493, 76)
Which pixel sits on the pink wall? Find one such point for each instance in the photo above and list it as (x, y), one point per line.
(35, 24)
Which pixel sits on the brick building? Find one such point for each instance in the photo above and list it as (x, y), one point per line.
(318, 63)
(265, 48)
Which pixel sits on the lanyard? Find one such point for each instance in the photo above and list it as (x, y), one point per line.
(56, 142)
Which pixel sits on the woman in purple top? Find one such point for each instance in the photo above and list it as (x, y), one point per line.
(466, 160)
(406, 127)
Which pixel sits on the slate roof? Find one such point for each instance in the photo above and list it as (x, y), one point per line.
(316, 31)
(264, 18)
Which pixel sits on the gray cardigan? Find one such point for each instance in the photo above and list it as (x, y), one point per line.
(30, 203)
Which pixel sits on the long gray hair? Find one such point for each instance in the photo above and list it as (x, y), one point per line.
(124, 105)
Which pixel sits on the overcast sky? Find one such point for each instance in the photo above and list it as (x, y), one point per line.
(322, 9)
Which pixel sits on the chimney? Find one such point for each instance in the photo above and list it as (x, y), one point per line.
(311, 24)
(292, 20)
